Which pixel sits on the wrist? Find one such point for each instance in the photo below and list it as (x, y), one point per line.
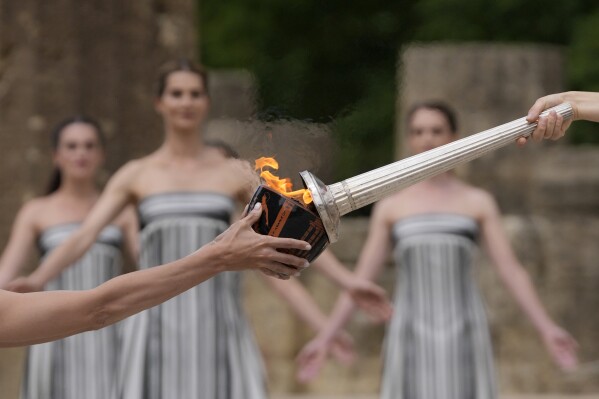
(544, 326)
(327, 335)
(211, 258)
(347, 281)
(574, 98)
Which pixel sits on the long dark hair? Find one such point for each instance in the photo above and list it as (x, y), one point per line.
(56, 177)
(181, 64)
(438, 106)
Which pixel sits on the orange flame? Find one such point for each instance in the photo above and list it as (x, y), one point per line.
(282, 186)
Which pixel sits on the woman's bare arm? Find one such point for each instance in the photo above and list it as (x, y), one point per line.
(306, 308)
(40, 317)
(300, 301)
(373, 255)
(370, 262)
(112, 201)
(46, 316)
(558, 342)
(20, 243)
(370, 297)
(131, 233)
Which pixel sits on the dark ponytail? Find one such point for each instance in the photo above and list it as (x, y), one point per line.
(55, 181)
(56, 177)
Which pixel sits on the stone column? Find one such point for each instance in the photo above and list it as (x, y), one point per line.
(59, 58)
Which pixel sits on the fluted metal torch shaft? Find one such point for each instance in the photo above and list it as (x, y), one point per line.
(377, 184)
(335, 200)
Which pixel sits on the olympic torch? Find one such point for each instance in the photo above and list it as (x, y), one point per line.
(317, 220)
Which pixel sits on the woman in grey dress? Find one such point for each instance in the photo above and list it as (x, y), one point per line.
(438, 344)
(197, 345)
(83, 365)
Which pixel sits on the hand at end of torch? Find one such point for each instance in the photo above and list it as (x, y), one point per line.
(585, 106)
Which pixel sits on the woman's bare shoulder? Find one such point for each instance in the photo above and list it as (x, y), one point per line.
(390, 208)
(34, 209)
(130, 171)
(137, 164)
(479, 199)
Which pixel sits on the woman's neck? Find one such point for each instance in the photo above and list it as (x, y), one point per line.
(182, 144)
(79, 188)
(441, 179)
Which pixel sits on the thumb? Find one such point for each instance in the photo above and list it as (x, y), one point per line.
(245, 211)
(254, 214)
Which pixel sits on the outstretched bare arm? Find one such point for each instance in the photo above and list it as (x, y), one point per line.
(45, 316)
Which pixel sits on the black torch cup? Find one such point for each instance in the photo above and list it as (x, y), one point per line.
(285, 217)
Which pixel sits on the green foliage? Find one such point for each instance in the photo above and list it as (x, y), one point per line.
(497, 20)
(328, 61)
(335, 61)
(584, 70)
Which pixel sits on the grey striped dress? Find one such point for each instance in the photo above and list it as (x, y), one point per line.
(438, 343)
(84, 365)
(197, 345)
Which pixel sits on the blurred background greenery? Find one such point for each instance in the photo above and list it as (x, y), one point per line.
(335, 61)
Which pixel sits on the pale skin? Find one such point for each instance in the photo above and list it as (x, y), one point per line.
(78, 156)
(585, 106)
(46, 316)
(442, 194)
(183, 163)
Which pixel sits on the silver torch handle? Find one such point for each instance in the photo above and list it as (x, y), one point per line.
(377, 184)
(335, 200)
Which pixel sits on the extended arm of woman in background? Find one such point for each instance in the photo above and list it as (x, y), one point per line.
(20, 244)
(131, 235)
(373, 255)
(360, 291)
(558, 342)
(306, 308)
(116, 196)
(367, 295)
(40, 317)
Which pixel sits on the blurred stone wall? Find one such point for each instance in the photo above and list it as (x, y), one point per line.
(59, 58)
